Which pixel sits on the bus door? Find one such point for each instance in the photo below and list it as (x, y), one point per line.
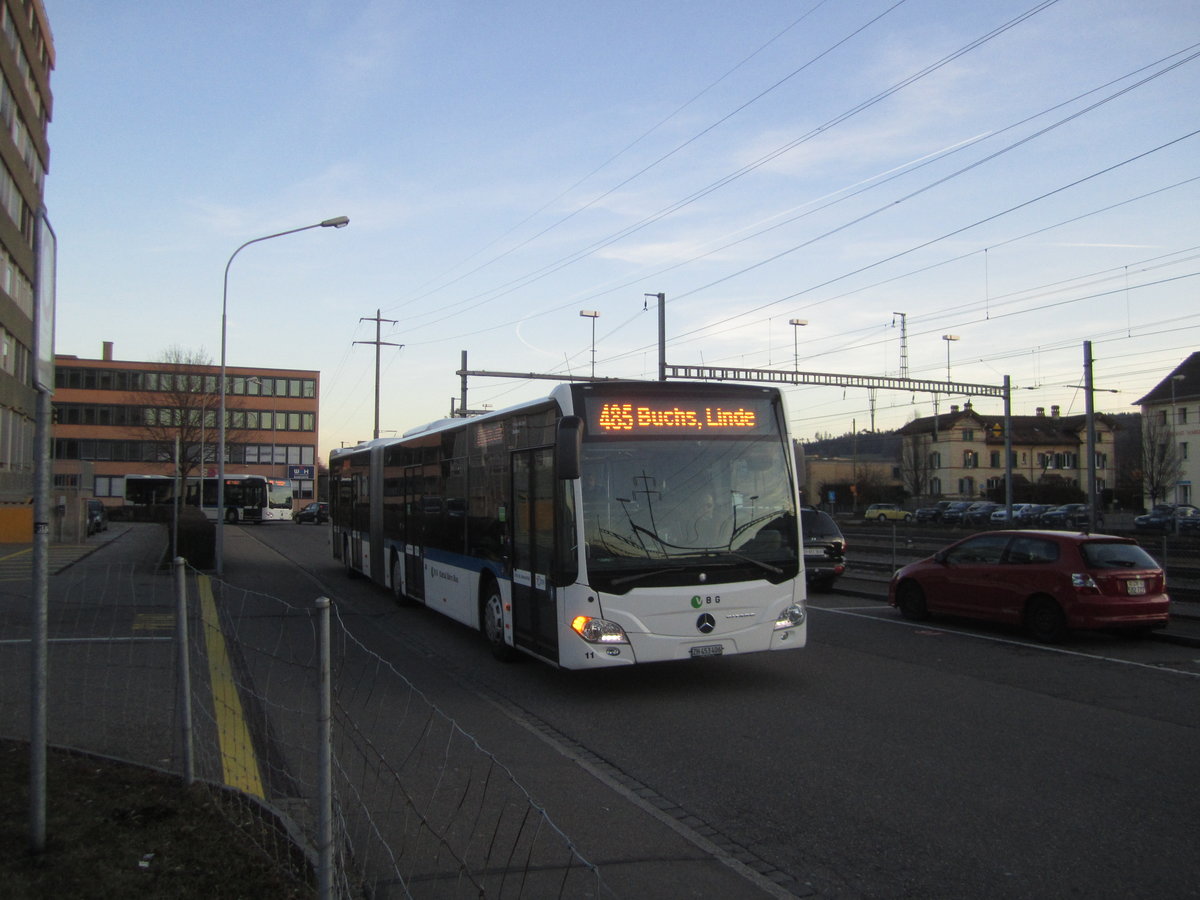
(534, 606)
(414, 534)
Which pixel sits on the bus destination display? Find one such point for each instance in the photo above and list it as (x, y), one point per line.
(615, 418)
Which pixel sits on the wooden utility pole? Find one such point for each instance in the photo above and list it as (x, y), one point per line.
(378, 343)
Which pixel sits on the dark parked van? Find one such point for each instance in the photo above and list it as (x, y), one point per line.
(824, 549)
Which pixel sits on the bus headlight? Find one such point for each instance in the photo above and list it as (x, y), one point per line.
(791, 617)
(599, 631)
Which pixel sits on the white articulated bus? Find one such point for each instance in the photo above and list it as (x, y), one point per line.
(610, 523)
(248, 498)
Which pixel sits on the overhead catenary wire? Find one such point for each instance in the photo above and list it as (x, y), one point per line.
(506, 288)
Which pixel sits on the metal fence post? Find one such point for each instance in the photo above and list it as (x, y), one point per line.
(324, 758)
(183, 671)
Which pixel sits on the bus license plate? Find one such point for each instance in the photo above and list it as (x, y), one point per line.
(1136, 587)
(708, 650)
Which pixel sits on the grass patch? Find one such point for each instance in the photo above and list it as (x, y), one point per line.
(120, 831)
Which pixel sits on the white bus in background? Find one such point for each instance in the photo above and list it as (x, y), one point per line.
(248, 498)
(610, 523)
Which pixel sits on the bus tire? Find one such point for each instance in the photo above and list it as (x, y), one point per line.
(402, 599)
(231, 516)
(491, 621)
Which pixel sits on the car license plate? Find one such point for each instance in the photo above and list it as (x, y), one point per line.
(708, 650)
(1135, 587)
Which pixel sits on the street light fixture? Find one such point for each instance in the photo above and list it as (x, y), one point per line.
(336, 222)
(796, 323)
(948, 338)
(593, 315)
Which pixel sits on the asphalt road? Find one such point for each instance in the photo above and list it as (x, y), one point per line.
(886, 759)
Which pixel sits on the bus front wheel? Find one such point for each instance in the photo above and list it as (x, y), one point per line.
(491, 618)
(231, 516)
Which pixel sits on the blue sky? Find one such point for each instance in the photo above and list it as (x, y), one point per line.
(1025, 175)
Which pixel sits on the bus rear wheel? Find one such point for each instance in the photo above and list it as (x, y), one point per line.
(491, 623)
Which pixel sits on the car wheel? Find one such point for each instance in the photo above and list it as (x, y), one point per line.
(910, 600)
(1045, 621)
(908, 519)
(491, 623)
(882, 518)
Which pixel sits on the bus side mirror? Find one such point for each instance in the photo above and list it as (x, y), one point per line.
(568, 447)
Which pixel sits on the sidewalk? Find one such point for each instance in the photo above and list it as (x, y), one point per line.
(641, 848)
(139, 544)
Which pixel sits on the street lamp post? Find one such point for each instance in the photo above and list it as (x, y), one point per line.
(1175, 424)
(796, 323)
(336, 222)
(948, 338)
(593, 315)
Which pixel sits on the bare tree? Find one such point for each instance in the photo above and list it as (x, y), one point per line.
(181, 404)
(1162, 463)
(916, 469)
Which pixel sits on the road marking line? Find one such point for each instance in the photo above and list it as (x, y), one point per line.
(238, 762)
(90, 640)
(998, 640)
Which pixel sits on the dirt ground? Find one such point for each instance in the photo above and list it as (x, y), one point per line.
(117, 831)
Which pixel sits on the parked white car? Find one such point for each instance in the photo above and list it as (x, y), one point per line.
(1000, 516)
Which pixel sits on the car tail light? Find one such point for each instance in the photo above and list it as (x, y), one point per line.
(1084, 583)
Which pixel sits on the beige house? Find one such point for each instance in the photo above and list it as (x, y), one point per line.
(959, 455)
(819, 473)
(1171, 435)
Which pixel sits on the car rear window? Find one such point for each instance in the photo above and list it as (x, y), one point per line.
(1115, 555)
(818, 524)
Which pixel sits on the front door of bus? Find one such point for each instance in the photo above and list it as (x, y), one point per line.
(534, 610)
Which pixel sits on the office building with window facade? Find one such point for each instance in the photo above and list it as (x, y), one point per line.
(26, 60)
(114, 418)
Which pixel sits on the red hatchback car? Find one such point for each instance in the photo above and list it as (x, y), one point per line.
(1048, 581)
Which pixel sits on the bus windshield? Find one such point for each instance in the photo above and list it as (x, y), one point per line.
(279, 498)
(657, 505)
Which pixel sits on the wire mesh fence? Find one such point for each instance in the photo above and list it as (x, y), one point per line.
(419, 808)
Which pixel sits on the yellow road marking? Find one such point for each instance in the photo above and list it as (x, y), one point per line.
(15, 555)
(238, 761)
(154, 622)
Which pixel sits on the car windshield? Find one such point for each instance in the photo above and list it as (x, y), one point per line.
(1115, 555)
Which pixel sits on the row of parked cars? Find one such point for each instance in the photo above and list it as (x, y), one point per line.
(1170, 518)
(986, 514)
